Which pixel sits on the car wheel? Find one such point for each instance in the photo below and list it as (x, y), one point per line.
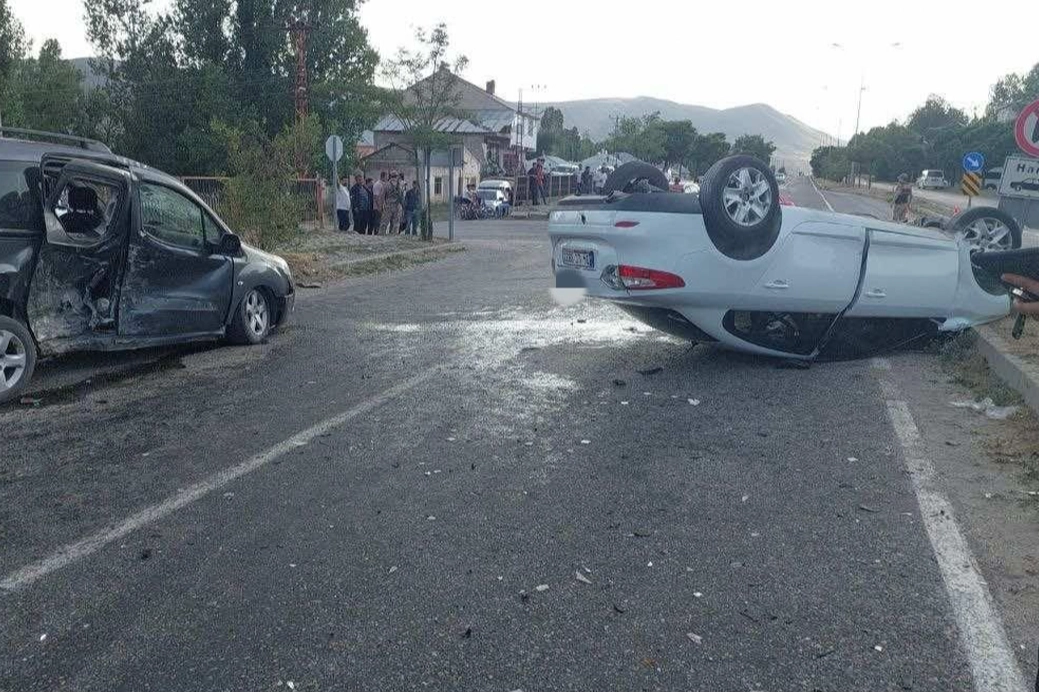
(626, 178)
(252, 320)
(739, 197)
(17, 357)
(986, 228)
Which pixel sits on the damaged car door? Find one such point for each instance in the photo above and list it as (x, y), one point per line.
(178, 278)
(75, 284)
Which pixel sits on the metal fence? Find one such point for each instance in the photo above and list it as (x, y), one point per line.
(555, 186)
(309, 191)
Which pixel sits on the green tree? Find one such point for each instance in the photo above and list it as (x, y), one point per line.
(755, 145)
(706, 150)
(49, 91)
(679, 138)
(642, 137)
(423, 92)
(13, 47)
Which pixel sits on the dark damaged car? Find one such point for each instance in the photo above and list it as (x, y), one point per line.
(98, 252)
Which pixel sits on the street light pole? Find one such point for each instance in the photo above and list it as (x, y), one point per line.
(858, 111)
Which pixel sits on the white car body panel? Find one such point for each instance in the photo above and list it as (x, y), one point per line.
(814, 266)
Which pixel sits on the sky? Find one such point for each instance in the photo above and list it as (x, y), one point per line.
(803, 58)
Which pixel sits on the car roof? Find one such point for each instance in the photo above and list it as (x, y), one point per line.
(30, 151)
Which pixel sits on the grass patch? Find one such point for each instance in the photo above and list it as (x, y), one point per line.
(961, 360)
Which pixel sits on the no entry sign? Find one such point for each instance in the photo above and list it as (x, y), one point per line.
(1026, 129)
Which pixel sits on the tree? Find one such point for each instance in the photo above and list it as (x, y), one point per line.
(13, 47)
(755, 145)
(679, 137)
(1013, 92)
(706, 150)
(642, 137)
(935, 116)
(423, 92)
(50, 93)
(550, 132)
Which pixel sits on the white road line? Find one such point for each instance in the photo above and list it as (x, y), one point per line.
(991, 658)
(70, 553)
(820, 193)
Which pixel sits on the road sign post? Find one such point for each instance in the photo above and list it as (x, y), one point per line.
(334, 152)
(970, 184)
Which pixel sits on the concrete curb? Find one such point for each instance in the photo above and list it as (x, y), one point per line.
(1022, 376)
(451, 247)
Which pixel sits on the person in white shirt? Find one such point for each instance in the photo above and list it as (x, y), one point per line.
(599, 179)
(343, 203)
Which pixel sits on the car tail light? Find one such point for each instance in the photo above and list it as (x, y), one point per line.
(639, 278)
(626, 224)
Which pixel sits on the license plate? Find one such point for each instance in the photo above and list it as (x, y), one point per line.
(581, 259)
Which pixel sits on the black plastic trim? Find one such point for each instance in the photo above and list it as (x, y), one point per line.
(664, 203)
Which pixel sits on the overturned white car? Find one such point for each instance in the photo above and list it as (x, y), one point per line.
(733, 266)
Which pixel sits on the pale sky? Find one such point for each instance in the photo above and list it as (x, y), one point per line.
(714, 53)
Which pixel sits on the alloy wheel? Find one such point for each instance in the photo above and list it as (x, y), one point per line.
(747, 197)
(13, 360)
(987, 233)
(256, 314)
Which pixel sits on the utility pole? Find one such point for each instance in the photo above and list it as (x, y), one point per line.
(858, 111)
(299, 30)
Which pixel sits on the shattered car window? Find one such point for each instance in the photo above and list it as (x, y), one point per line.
(170, 217)
(87, 207)
(19, 206)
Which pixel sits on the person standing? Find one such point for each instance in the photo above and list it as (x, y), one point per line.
(412, 208)
(361, 204)
(539, 176)
(343, 203)
(391, 199)
(586, 181)
(379, 201)
(372, 225)
(599, 180)
(903, 198)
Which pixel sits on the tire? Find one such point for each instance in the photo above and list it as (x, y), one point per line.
(625, 178)
(251, 323)
(739, 197)
(17, 358)
(986, 228)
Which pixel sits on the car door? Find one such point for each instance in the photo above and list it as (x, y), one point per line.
(908, 275)
(75, 284)
(176, 284)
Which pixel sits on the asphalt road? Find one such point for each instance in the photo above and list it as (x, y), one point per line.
(399, 491)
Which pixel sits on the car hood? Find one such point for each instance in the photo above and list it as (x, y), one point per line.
(253, 254)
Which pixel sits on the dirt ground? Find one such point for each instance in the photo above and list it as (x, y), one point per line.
(318, 256)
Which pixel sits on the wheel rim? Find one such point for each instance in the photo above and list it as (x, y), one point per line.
(256, 315)
(988, 234)
(747, 196)
(12, 360)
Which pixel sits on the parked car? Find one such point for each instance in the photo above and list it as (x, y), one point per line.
(1026, 184)
(493, 200)
(98, 252)
(992, 178)
(495, 184)
(932, 178)
(736, 266)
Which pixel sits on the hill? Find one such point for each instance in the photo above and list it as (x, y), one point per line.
(794, 140)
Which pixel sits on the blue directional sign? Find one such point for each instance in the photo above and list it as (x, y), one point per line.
(973, 161)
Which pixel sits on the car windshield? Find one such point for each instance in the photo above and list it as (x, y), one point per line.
(553, 346)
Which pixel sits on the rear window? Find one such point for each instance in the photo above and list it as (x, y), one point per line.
(20, 208)
(933, 174)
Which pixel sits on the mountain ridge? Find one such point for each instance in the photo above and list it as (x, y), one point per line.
(793, 138)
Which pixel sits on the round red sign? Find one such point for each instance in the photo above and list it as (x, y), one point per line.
(1026, 129)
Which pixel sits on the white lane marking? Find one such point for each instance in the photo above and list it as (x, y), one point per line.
(992, 660)
(70, 553)
(820, 193)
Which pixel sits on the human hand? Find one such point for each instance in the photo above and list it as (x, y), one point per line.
(1029, 285)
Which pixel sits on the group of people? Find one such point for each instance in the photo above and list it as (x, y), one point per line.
(536, 182)
(592, 182)
(385, 206)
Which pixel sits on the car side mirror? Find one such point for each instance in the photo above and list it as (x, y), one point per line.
(230, 244)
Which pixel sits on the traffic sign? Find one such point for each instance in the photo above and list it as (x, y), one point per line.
(970, 184)
(973, 161)
(1020, 178)
(1026, 129)
(334, 148)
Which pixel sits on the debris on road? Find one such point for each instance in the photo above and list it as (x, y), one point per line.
(541, 588)
(694, 402)
(431, 517)
(291, 685)
(744, 498)
(868, 508)
(697, 594)
(451, 439)
(695, 638)
(650, 371)
(468, 633)
(624, 402)
(853, 459)
(579, 576)
(987, 407)
(619, 383)
(43, 637)
(620, 609)
(878, 648)
(309, 285)
(393, 569)
(586, 442)
(32, 401)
